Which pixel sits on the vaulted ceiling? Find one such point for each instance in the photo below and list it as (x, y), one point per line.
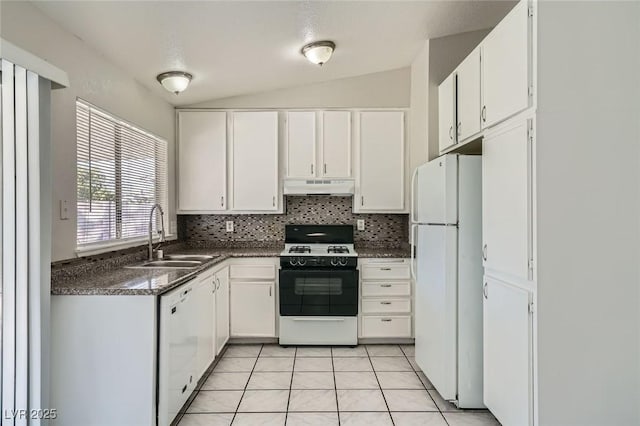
(240, 47)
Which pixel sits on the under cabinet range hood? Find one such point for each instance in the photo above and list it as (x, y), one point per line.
(336, 187)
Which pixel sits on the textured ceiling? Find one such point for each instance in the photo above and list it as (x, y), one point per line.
(240, 47)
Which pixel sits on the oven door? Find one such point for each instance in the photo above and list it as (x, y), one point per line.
(313, 292)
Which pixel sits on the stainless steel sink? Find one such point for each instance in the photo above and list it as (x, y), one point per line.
(175, 261)
(188, 257)
(172, 264)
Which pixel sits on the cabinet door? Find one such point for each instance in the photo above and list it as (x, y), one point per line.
(446, 113)
(204, 299)
(222, 309)
(505, 67)
(252, 308)
(507, 354)
(202, 161)
(506, 201)
(381, 177)
(336, 144)
(468, 96)
(301, 144)
(255, 161)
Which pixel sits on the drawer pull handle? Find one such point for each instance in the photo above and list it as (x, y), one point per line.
(385, 269)
(385, 303)
(386, 320)
(385, 285)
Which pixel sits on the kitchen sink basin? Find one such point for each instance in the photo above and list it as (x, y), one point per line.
(188, 257)
(173, 264)
(175, 261)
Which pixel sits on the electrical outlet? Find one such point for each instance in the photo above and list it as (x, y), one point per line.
(64, 210)
(229, 226)
(360, 223)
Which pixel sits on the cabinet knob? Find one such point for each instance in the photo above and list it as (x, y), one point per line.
(450, 132)
(459, 129)
(362, 200)
(324, 168)
(484, 114)
(484, 252)
(385, 303)
(222, 201)
(312, 169)
(485, 291)
(385, 285)
(386, 320)
(274, 201)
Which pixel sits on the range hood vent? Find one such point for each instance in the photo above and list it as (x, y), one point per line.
(337, 187)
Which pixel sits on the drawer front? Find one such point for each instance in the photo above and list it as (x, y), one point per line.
(385, 271)
(386, 289)
(252, 272)
(386, 326)
(375, 306)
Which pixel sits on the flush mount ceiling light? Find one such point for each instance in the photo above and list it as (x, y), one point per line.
(318, 52)
(174, 81)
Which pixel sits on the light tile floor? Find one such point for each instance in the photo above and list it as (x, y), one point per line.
(372, 385)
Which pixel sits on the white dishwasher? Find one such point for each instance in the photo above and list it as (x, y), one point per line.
(177, 351)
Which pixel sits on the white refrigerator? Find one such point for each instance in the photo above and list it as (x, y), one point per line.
(446, 215)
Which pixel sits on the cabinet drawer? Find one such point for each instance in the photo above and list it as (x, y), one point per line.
(385, 271)
(386, 326)
(255, 272)
(402, 288)
(375, 306)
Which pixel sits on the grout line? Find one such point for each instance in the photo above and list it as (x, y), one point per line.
(293, 369)
(247, 384)
(423, 385)
(335, 385)
(379, 385)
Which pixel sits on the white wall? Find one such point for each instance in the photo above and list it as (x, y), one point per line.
(388, 89)
(588, 177)
(445, 54)
(94, 79)
(419, 125)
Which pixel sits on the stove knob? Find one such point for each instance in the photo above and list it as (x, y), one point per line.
(302, 261)
(334, 261)
(343, 261)
(293, 261)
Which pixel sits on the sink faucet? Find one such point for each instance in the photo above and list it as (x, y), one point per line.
(159, 207)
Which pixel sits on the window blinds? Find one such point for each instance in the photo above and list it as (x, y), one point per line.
(121, 174)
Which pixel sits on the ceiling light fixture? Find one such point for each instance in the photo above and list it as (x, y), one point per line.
(174, 81)
(318, 52)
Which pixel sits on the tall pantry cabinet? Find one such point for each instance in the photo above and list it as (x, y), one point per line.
(561, 322)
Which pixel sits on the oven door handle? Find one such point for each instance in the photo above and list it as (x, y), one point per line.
(319, 319)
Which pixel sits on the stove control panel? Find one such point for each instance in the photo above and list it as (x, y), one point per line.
(330, 262)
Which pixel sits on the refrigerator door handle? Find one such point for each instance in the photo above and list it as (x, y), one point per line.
(413, 194)
(413, 251)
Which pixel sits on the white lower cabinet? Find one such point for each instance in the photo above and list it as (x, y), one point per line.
(386, 299)
(205, 323)
(507, 354)
(221, 320)
(253, 297)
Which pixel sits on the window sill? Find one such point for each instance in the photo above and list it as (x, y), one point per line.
(92, 249)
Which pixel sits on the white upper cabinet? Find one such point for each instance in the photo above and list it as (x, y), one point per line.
(301, 144)
(468, 96)
(324, 153)
(255, 161)
(506, 67)
(202, 161)
(336, 144)
(506, 202)
(447, 113)
(381, 180)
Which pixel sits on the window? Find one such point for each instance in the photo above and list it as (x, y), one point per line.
(121, 174)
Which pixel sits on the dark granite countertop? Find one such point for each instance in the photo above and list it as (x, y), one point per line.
(148, 282)
(151, 282)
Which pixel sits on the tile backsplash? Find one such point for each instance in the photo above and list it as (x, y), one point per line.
(390, 230)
